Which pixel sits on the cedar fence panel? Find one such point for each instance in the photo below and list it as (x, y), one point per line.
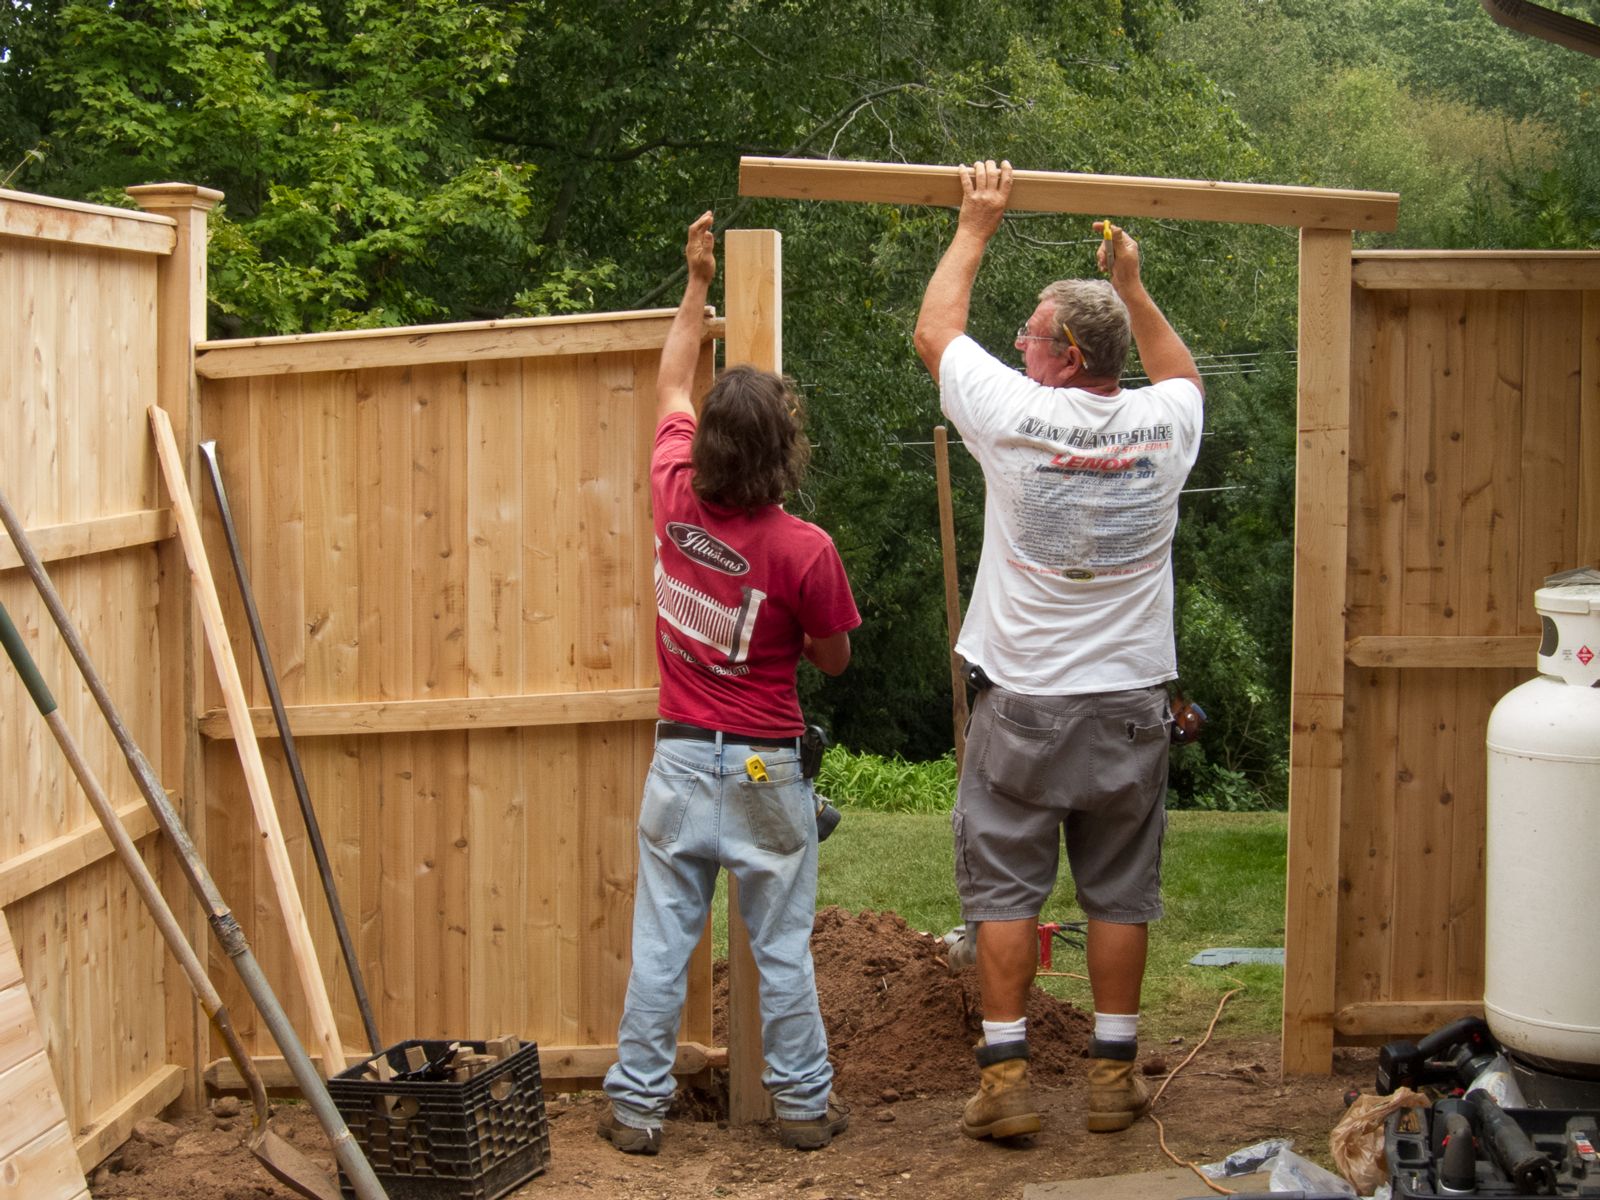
(1474, 438)
(78, 367)
(448, 532)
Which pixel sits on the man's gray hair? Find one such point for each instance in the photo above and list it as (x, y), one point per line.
(1098, 319)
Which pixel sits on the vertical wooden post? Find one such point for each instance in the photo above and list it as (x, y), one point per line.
(753, 282)
(1589, 435)
(952, 591)
(180, 323)
(1317, 708)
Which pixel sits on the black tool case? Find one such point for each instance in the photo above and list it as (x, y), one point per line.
(1414, 1158)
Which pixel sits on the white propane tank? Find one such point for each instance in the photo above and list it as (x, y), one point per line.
(1542, 898)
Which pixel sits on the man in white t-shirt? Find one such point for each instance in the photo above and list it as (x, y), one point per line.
(1070, 631)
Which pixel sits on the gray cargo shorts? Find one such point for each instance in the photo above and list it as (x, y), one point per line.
(1092, 767)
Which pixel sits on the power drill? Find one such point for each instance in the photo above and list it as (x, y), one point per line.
(1454, 1055)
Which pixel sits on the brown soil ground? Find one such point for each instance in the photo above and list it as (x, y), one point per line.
(900, 1028)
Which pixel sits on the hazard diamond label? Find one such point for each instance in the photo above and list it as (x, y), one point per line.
(1585, 655)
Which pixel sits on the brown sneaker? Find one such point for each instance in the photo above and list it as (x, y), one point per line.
(815, 1132)
(626, 1138)
(1003, 1107)
(1117, 1094)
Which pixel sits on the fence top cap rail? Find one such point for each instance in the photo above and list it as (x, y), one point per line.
(428, 331)
(1067, 192)
(1476, 255)
(78, 206)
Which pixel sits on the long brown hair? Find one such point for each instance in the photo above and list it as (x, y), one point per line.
(749, 448)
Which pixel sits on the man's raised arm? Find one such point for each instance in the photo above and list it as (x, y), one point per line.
(985, 188)
(1161, 350)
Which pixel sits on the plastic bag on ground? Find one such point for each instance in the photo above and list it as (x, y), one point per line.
(1356, 1142)
(1248, 1160)
(1292, 1173)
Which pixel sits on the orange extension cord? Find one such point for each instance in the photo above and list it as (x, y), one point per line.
(1161, 1133)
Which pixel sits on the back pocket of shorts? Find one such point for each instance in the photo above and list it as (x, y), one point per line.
(1017, 753)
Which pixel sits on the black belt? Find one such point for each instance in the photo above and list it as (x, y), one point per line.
(695, 733)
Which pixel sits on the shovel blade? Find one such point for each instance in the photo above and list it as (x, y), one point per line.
(292, 1168)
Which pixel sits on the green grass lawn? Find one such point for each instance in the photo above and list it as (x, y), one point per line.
(1223, 876)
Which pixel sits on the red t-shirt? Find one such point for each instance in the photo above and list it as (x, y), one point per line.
(735, 593)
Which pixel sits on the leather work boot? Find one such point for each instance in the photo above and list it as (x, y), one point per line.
(626, 1138)
(1117, 1094)
(813, 1133)
(1003, 1107)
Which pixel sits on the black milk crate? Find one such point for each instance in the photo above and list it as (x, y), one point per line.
(441, 1140)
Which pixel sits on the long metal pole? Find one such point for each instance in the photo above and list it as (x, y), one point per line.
(209, 453)
(223, 925)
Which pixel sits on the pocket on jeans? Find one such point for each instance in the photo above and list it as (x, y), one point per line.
(666, 799)
(781, 812)
(1017, 750)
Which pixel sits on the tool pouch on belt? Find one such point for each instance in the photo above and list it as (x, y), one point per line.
(812, 743)
(1188, 718)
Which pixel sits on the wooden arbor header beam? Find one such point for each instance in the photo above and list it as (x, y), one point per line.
(1064, 192)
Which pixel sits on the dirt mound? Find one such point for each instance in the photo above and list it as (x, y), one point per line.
(898, 1020)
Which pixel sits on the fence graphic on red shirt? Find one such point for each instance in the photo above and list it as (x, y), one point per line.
(726, 628)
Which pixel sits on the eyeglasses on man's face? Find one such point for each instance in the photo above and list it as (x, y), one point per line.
(1023, 335)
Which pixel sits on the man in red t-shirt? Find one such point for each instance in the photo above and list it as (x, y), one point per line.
(743, 592)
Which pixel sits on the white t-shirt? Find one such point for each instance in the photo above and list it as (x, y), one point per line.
(1074, 587)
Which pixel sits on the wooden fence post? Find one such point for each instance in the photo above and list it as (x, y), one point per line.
(1322, 481)
(952, 590)
(753, 278)
(180, 323)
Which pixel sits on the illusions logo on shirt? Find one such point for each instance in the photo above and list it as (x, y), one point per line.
(706, 550)
(725, 627)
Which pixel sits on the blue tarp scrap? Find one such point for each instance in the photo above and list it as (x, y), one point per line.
(1226, 956)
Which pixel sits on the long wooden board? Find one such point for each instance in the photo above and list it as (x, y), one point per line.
(37, 1159)
(1477, 270)
(1317, 708)
(471, 712)
(417, 345)
(44, 218)
(1065, 192)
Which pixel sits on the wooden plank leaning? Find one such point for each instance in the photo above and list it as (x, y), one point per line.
(255, 773)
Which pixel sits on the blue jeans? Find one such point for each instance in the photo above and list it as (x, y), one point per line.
(702, 811)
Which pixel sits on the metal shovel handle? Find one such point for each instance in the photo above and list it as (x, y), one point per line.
(291, 754)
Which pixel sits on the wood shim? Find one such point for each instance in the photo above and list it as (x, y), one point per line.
(37, 1158)
(1064, 192)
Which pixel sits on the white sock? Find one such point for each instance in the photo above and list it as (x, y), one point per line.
(998, 1033)
(1116, 1027)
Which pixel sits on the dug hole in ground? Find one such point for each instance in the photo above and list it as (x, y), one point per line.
(900, 1032)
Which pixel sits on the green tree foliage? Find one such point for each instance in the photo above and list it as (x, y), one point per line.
(341, 135)
(446, 160)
